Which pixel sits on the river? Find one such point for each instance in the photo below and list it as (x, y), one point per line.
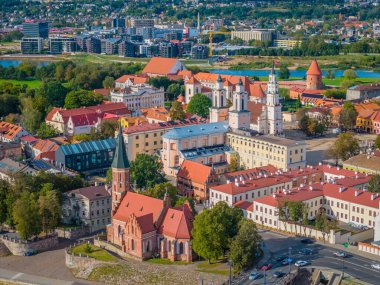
(14, 63)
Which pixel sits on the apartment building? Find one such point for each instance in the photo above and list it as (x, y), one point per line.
(256, 151)
(147, 138)
(264, 35)
(90, 206)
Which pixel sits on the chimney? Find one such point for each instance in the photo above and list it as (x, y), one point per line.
(357, 193)
(311, 188)
(341, 189)
(274, 195)
(228, 181)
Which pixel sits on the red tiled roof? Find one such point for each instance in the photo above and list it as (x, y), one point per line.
(193, 80)
(248, 185)
(244, 205)
(45, 145)
(269, 169)
(178, 222)
(103, 91)
(194, 171)
(233, 79)
(9, 130)
(256, 110)
(135, 78)
(314, 68)
(145, 208)
(28, 139)
(160, 65)
(256, 90)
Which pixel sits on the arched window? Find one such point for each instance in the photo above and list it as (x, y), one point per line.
(148, 246)
(132, 244)
(181, 251)
(170, 246)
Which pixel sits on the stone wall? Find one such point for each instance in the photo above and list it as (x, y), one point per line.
(4, 251)
(74, 233)
(113, 248)
(22, 247)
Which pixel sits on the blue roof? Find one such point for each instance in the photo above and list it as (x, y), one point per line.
(86, 147)
(197, 130)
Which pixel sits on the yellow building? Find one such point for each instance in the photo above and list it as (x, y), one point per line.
(256, 151)
(287, 43)
(131, 121)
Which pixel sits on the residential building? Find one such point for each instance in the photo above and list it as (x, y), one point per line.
(93, 45)
(248, 189)
(142, 225)
(118, 23)
(156, 115)
(159, 66)
(86, 157)
(363, 92)
(110, 46)
(127, 49)
(11, 133)
(89, 206)
(140, 23)
(139, 96)
(9, 167)
(287, 43)
(35, 29)
(199, 52)
(256, 151)
(10, 149)
(195, 179)
(58, 45)
(129, 80)
(204, 143)
(168, 50)
(43, 149)
(364, 163)
(32, 45)
(147, 138)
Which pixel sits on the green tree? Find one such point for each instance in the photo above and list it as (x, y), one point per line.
(50, 94)
(182, 200)
(295, 211)
(158, 191)
(26, 216)
(46, 131)
(345, 146)
(234, 164)
(81, 98)
(246, 245)
(347, 116)
(283, 213)
(108, 82)
(305, 217)
(374, 184)
(30, 117)
(284, 72)
(60, 73)
(350, 74)
(146, 171)
(108, 128)
(173, 91)
(5, 189)
(49, 207)
(109, 175)
(176, 111)
(200, 105)
(377, 142)
(214, 229)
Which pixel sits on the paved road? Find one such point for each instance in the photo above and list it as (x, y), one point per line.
(356, 266)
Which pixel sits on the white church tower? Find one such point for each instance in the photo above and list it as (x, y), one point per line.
(239, 117)
(219, 109)
(273, 106)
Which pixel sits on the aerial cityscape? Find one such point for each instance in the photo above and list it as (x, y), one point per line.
(190, 142)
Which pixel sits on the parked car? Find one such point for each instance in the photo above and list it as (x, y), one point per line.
(307, 240)
(286, 261)
(306, 251)
(301, 263)
(278, 274)
(340, 254)
(376, 266)
(266, 267)
(255, 276)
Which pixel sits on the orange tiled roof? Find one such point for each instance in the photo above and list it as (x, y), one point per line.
(45, 145)
(193, 80)
(194, 171)
(9, 130)
(256, 90)
(160, 65)
(314, 68)
(178, 222)
(135, 78)
(159, 113)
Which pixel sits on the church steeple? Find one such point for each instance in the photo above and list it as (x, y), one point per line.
(120, 160)
(120, 172)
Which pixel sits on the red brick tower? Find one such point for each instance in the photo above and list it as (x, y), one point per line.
(314, 77)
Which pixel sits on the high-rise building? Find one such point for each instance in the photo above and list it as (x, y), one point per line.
(59, 45)
(199, 52)
(127, 49)
(140, 23)
(32, 45)
(35, 29)
(118, 23)
(93, 45)
(168, 50)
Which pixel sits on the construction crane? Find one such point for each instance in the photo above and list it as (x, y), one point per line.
(211, 33)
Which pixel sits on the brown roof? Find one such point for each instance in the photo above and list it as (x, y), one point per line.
(178, 222)
(364, 161)
(194, 171)
(92, 192)
(256, 90)
(160, 65)
(256, 109)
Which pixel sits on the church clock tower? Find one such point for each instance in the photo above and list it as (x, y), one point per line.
(273, 106)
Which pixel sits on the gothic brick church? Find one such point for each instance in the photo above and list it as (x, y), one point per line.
(144, 226)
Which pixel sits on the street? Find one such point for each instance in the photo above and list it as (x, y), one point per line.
(323, 256)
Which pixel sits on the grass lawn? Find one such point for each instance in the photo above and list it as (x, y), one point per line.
(214, 268)
(31, 83)
(165, 261)
(97, 253)
(338, 81)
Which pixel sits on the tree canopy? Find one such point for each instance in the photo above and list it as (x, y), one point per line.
(345, 146)
(176, 111)
(200, 105)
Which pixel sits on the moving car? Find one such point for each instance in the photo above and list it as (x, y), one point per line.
(306, 251)
(301, 263)
(286, 261)
(266, 267)
(375, 266)
(255, 276)
(278, 274)
(307, 240)
(340, 254)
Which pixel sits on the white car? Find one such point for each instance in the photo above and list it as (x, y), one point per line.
(376, 266)
(301, 263)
